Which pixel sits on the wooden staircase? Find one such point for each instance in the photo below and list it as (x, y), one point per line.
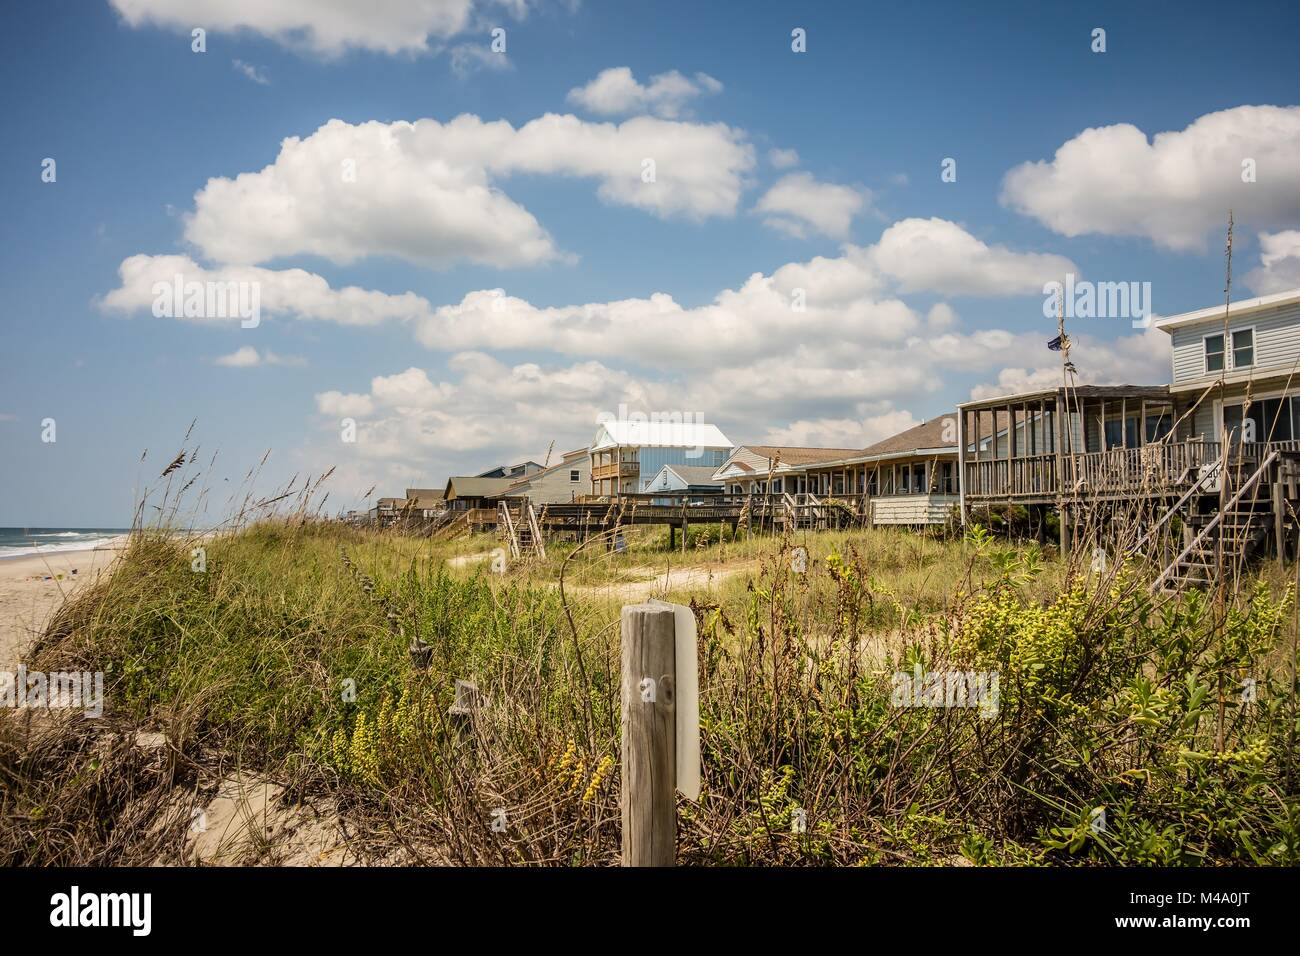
(449, 525)
(1201, 482)
(519, 526)
(1234, 534)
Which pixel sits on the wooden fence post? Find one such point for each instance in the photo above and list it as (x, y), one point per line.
(649, 770)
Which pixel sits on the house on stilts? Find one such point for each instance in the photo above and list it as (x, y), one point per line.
(1218, 448)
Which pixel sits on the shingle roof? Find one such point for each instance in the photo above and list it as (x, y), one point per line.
(799, 454)
(925, 435)
(695, 474)
(470, 486)
(418, 493)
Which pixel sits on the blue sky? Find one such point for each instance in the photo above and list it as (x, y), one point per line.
(670, 296)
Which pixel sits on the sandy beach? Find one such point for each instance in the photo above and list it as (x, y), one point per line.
(32, 586)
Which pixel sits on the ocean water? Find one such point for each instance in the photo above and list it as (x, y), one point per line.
(15, 542)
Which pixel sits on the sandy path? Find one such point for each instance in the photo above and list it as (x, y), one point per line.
(27, 600)
(689, 578)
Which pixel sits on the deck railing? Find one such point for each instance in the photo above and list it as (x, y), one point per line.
(1151, 467)
(1156, 467)
(1029, 477)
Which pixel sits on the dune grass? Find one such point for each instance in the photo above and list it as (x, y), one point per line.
(290, 653)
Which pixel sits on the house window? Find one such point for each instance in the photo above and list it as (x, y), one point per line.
(1158, 426)
(1214, 353)
(1118, 432)
(1243, 348)
(873, 486)
(945, 478)
(918, 480)
(575, 474)
(1270, 419)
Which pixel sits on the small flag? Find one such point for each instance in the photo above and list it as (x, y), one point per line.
(1056, 343)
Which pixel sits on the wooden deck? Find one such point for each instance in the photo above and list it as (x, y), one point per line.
(1156, 470)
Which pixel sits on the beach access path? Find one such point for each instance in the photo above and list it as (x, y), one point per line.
(32, 586)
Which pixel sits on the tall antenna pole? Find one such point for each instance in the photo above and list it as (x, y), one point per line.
(1067, 430)
(1220, 589)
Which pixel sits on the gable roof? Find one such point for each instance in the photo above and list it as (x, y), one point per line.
(925, 436)
(418, 493)
(647, 434)
(567, 462)
(471, 486)
(509, 471)
(758, 459)
(694, 475)
(798, 454)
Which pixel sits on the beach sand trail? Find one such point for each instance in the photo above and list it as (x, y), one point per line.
(28, 599)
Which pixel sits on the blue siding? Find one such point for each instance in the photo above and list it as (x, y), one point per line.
(653, 459)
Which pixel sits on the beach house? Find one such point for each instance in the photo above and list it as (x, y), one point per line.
(564, 481)
(626, 454)
(910, 478)
(749, 468)
(1238, 376)
(692, 481)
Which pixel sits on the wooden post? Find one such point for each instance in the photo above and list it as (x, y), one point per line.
(1065, 530)
(1279, 504)
(649, 735)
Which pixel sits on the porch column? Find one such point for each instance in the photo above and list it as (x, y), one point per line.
(961, 465)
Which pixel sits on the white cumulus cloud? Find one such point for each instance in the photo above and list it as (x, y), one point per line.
(249, 357)
(1279, 267)
(1138, 359)
(294, 293)
(1175, 188)
(935, 255)
(324, 27)
(616, 92)
(799, 203)
(783, 158)
(427, 192)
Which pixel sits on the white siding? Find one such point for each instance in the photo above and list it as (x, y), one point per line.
(554, 486)
(1203, 421)
(913, 509)
(1277, 342)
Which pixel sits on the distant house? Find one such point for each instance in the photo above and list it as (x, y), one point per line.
(907, 479)
(626, 455)
(425, 502)
(386, 511)
(464, 493)
(692, 479)
(511, 471)
(747, 468)
(560, 483)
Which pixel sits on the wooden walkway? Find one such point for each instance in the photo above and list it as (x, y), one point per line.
(583, 518)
